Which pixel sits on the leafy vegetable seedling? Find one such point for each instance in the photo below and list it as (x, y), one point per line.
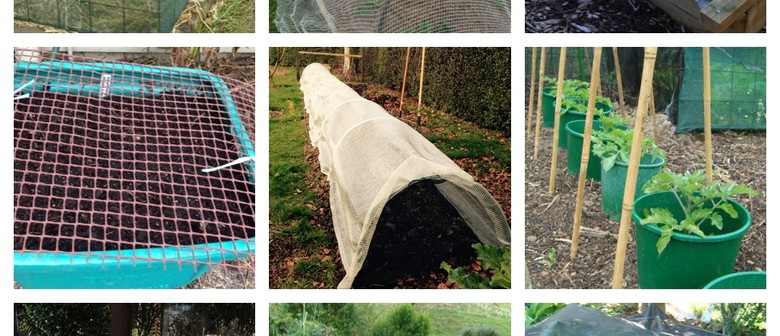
(698, 200)
(613, 143)
(497, 259)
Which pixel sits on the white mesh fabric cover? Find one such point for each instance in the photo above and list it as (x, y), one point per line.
(370, 156)
(393, 16)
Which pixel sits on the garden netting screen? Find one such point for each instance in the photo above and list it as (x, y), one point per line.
(738, 89)
(388, 16)
(102, 16)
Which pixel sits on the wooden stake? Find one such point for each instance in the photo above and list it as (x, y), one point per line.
(403, 85)
(530, 117)
(595, 81)
(539, 104)
(422, 76)
(633, 166)
(652, 113)
(707, 114)
(557, 127)
(619, 82)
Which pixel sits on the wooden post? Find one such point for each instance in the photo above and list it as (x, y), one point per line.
(707, 114)
(539, 104)
(422, 75)
(530, 117)
(633, 166)
(619, 82)
(419, 95)
(403, 85)
(348, 69)
(595, 81)
(557, 127)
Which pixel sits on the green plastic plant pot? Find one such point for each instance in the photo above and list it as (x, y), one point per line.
(548, 107)
(613, 183)
(572, 115)
(575, 132)
(740, 280)
(689, 261)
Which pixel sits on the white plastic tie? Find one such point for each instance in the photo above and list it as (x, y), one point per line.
(233, 163)
(26, 95)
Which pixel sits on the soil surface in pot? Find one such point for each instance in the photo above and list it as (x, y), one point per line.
(738, 156)
(125, 173)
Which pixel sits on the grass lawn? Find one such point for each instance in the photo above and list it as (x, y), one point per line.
(232, 16)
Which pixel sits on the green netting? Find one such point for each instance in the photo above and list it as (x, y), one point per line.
(102, 16)
(738, 89)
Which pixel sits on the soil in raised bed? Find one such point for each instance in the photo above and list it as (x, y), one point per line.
(125, 173)
(418, 229)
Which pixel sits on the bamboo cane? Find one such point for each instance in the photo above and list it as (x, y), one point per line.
(633, 166)
(422, 75)
(530, 117)
(595, 81)
(539, 104)
(652, 113)
(707, 114)
(619, 82)
(557, 127)
(403, 85)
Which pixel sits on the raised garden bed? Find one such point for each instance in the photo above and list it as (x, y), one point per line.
(108, 171)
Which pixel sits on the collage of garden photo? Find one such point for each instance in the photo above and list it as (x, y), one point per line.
(382, 193)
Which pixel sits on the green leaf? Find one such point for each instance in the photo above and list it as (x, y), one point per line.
(659, 216)
(608, 162)
(663, 242)
(728, 209)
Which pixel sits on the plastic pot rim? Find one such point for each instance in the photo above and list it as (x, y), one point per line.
(575, 133)
(645, 165)
(731, 276)
(716, 238)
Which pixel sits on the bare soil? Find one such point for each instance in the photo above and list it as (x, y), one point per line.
(123, 173)
(737, 156)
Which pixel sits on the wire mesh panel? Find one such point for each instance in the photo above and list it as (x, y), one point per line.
(738, 78)
(109, 163)
(389, 16)
(102, 16)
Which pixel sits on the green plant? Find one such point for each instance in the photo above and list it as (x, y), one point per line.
(494, 259)
(403, 320)
(552, 258)
(613, 143)
(575, 95)
(743, 319)
(480, 331)
(536, 312)
(699, 202)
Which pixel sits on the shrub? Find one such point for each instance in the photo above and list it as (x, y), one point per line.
(480, 331)
(403, 320)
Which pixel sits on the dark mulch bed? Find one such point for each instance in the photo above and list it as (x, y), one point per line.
(101, 174)
(737, 156)
(597, 16)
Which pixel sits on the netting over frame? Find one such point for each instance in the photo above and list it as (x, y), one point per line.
(109, 159)
(369, 156)
(103, 16)
(393, 16)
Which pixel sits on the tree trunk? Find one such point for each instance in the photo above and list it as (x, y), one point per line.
(121, 319)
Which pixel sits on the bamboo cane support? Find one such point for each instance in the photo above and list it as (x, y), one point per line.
(633, 166)
(539, 104)
(557, 127)
(652, 113)
(595, 81)
(619, 82)
(403, 85)
(422, 76)
(530, 117)
(707, 114)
